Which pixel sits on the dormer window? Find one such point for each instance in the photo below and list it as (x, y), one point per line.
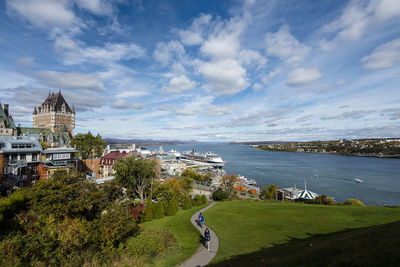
(63, 109)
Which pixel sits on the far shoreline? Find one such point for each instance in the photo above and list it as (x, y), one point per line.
(336, 153)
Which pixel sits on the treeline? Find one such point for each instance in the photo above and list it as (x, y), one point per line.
(68, 220)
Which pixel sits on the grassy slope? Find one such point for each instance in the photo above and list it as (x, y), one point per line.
(248, 227)
(186, 234)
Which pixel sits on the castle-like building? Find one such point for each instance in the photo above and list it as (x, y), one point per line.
(7, 126)
(55, 114)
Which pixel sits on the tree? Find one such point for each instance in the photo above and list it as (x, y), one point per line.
(88, 145)
(188, 203)
(148, 211)
(354, 202)
(228, 183)
(219, 195)
(135, 174)
(269, 192)
(158, 210)
(171, 207)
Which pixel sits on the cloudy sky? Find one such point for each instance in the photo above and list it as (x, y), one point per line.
(207, 70)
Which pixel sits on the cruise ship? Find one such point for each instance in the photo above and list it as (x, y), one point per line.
(208, 157)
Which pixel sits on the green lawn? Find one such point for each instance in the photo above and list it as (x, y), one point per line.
(253, 228)
(188, 237)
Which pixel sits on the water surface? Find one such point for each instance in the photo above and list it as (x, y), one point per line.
(327, 174)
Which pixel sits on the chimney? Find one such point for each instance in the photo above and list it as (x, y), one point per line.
(6, 109)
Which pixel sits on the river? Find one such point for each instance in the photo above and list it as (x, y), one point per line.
(326, 174)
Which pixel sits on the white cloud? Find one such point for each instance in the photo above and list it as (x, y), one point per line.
(257, 86)
(357, 18)
(194, 34)
(127, 94)
(26, 62)
(180, 84)
(225, 77)
(224, 42)
(303, 76)
(110, 52)
(123, 104)
(98, 7)
(283, 45)
(43, 13)
(384, 56)
(247, 57)
(165, 52)
(69, 80)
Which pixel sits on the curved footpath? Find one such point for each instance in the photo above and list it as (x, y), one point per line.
(202, 257)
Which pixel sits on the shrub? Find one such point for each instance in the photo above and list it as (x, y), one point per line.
(171, 207)
(188, 203)
(324, 200)
(197, 200)
(203, 199)
(148, 211)
(158, 210)
(219, 195)
(354, 202)
(150, 243)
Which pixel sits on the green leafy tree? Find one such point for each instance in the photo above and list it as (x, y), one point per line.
(135, 174)
(220, 195)
(148, 211)
(158, 211)
(269, 192)
(203, 199)
(88, 145)
(188, 203)
(354, 202)
(171, 208)
(228, 183)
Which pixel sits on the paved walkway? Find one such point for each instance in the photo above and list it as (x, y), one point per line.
(202, 257)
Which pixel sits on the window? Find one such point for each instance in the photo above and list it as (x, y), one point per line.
(34, 157)
(22, 156)
(14, 146)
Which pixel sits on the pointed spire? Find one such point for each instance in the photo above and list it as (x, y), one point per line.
(305, 185)
(35, 111)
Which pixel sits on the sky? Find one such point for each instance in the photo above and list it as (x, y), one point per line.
(207, 70)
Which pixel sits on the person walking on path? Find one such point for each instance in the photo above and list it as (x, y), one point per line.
(202, 221)
(199, 218)
(207, 238)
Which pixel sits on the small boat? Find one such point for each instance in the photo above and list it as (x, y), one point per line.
(358, 180)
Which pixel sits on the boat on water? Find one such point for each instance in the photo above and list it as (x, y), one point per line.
(174, 153)
(357, 180)
(207, 157)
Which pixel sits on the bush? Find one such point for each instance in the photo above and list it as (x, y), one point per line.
(171, 208)
(203, 199)
(148, 211)
(158, 210)
(354, 202)
(150, 243)
(219, 195)
(197, 200)
(12, 205)
(188, 203)
(324, 200)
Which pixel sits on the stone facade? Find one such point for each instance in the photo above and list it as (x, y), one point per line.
(7, 127)
(54, 114)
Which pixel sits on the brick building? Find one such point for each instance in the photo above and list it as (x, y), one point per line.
(107, 162)
(54, 114)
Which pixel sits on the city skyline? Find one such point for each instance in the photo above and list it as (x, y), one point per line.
(209, 71)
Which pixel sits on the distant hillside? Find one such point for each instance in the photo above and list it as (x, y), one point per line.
(258, 142)
(111, 141)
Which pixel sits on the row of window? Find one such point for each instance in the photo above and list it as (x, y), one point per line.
(21, 145)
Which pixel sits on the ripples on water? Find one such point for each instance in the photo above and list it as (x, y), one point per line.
(327, 174)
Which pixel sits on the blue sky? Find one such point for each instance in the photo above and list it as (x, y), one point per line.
(207, 70)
